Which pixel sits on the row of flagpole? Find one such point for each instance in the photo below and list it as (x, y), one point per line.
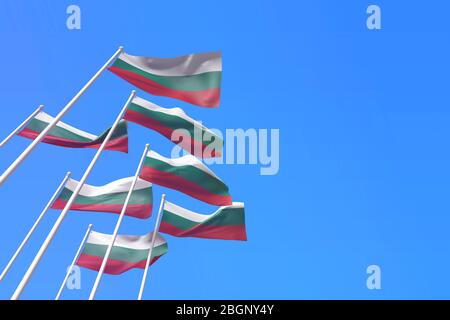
(117, 227)
(69, 203)
(111, 244)
(83, 242)
(7, 173)
(64, 212)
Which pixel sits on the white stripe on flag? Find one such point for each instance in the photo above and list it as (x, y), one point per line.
(121, 185)
(187, 65)
(48, 118)
(126, 241)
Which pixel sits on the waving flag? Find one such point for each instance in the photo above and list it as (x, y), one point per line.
(227, 223)
(193, 78)
(188, 175)
(195, 138)
(128, 252)
(67, 136)
(109, 198)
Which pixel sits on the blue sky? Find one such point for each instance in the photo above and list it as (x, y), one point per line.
(363, 118)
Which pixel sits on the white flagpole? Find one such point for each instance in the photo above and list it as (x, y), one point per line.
(22, 125)
(69, 203)
(41, 136)
(35, 225)
(119, 222)
(149, 257)
(77, 255)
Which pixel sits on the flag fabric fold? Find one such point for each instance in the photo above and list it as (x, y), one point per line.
(109, 198)
(188, 175)
(227, 223)
(128, 252)
(192, 135)
(65, 135)
(194, 78)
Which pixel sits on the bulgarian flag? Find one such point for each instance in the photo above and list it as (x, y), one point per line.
(128, 252)
(166, 121)
(193, 78)
(227, 223)
(67, 136)
(188, 175)
(109, 198)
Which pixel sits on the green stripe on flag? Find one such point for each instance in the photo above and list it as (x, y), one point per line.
(191, 173)
(197, 82)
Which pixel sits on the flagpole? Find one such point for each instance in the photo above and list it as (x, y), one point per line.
(118, 223)
(77, 255)
(22, 125)
(35, 225)
(149, 257)
(53, 123)
(69, 203)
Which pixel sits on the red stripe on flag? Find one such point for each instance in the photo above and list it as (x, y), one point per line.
(139, 211)
(120, 144)
(114, 267)
(207, 231)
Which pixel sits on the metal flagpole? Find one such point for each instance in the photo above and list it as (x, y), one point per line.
(119, 222)
(35, 225)
(41, 136)
(77, 255)
(149, 257)
(22, 125)
(69, 203)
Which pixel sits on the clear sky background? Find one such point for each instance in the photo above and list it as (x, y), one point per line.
(364, 152)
